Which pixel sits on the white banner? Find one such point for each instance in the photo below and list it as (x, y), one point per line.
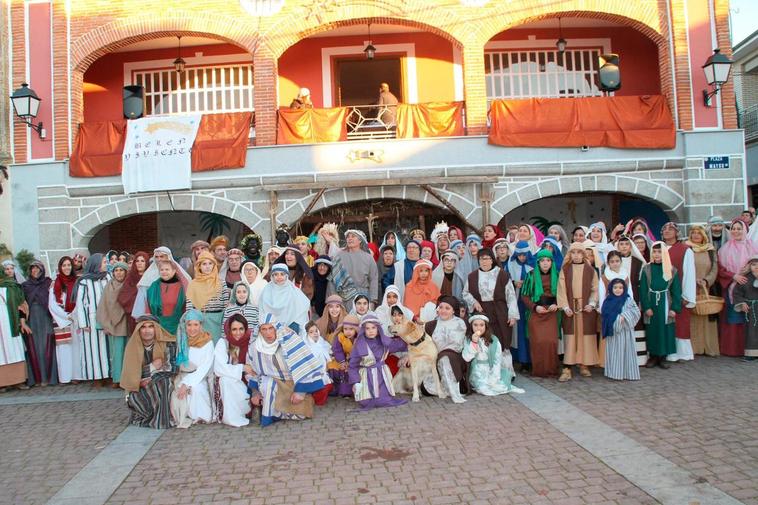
(157, 153)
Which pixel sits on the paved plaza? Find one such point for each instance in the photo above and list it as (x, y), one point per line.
(687, 436)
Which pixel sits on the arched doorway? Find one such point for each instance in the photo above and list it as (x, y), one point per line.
(377, 217)
(176, 230)
(575, 209)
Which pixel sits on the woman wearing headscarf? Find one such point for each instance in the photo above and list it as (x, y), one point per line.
(468, 263)
(331, 318)
(557, 232)
(166, 297)
(385, 262)
(239, 303)
(619, 315)
(112, 259)
(521, 263)
(208, 294)
(283, 301)
(88, 293)
(402, 272)
(61, 305)
(531, 235)
(12, 271)
(554, 247)
(230, 395)
(323, 287)
(428, 252)
(392, 240)
(253, 278)
(704, 332)
(152, 274)
(40, 344)
(361, 305)
(12, 359)
(455, 233)
(384, 311)
(421, 290)
(638, 225)
(128, 293)
(448, 331)
(299, 272)
(539, 296)
(271, 256)
(490, 234)
(642, 243)
(489, 291)
(732, 258)
(112, 319)
(191, 399)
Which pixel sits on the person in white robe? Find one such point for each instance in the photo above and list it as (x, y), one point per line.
(12, 357)
(284, 301)
(191, 398)
(94, 361)
(231, 395)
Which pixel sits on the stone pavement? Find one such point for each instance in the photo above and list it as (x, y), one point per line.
(700, 417)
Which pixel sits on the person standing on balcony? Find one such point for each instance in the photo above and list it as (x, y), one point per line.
(387, 105)
(303, 100)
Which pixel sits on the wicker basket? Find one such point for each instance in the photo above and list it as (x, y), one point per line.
(706, 304)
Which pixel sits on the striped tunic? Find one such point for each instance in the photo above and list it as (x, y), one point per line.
(249, 311)
(620, 349)
(151, 406)
(94, 361)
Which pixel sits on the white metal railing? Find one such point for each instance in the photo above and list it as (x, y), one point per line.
(372, 122)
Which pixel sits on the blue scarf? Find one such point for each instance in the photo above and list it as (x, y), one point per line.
(613, 305)
(557, 252)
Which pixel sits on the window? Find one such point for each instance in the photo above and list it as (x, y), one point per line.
(223, 88)
(541, 73)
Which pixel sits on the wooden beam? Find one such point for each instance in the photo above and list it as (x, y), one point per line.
(308, 208)
(273, 205)
(447, 204)
(352, 183)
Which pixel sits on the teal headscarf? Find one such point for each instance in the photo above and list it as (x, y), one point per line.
(182, 347)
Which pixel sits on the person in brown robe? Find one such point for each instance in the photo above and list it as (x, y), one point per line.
(704, 332)
(543, 330)
(489, 291)
(577, 297)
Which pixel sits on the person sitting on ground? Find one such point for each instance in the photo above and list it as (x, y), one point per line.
(191, 400)
(148, 374)
(482, 350)
(230, 394)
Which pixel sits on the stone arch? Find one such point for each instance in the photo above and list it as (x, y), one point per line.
(463, 199)
(119, 33)
(670, 201)
(283, 35)
(85, 228)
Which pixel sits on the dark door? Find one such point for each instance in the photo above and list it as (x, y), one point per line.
(357, 80)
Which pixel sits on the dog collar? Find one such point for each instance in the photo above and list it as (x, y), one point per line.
(417, 342)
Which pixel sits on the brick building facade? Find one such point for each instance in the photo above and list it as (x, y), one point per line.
(662, 44)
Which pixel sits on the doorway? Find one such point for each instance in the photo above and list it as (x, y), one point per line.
(357, 80)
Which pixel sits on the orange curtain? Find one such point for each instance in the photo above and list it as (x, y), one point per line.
(636, 122)
(307, 126)
(221, 141)
(436, 119)
(98, 149)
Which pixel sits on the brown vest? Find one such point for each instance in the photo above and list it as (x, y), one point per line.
(590, 318)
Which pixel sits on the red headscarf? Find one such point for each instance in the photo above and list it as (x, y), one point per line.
(374, 250)
(243, 342)
(65, 284)
(498, 234)
(128, 291)
(434, 259)
(461, 236)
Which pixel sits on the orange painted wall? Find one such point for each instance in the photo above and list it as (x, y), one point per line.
(700, 48)
(108, 73)
(300, 65)
(638, 55)
(40, 78)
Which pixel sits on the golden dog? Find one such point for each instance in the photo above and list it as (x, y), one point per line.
(422, 356)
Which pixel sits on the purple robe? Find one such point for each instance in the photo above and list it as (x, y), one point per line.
(380, 347)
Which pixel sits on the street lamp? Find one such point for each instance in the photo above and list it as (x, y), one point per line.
(716, 68)
(370, 50)
(26, 105)
(561, 42)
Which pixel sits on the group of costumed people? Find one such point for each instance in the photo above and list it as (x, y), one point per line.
(228, 332)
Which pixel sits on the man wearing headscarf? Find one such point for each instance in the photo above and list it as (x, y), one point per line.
(359, 263)
(219, 247)
(578, 298)
(683, 259)
(147, 374)
(231, 268)
(715, 229)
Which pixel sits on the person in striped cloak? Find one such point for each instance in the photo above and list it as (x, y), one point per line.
(285, 373)
(148, 374)
(619, 314)
(88, 292)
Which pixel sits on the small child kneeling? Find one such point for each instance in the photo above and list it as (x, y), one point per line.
(322, 351)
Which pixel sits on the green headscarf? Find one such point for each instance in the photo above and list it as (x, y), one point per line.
(14, 297)
(533, 284)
